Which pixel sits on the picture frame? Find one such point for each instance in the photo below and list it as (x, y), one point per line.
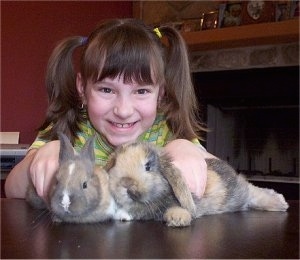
(230, 14)
(295, 9)
(210, 20)
(283, 11)
(257, 11)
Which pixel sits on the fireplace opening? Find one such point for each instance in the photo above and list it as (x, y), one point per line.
(253, 117)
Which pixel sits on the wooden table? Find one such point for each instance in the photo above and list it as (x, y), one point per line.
(29, 233)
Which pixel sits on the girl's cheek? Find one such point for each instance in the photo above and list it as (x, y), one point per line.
(98, 108)
(147, 109)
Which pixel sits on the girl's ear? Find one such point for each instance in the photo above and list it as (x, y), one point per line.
(80, 88)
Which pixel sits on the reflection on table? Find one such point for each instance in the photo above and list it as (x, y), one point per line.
(29, 233)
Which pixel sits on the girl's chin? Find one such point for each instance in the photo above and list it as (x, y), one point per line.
(117, 142)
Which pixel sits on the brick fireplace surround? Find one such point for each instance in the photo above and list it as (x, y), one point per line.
(266, 56)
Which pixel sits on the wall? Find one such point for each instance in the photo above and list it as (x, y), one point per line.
(159, 12)
(29, 32)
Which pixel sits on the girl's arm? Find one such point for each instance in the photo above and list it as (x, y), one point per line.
(190, 160)
(17, 181)
(39, 165)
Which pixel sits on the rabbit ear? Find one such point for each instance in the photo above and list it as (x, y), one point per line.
(111, 162)
(66, 151)
(113, 157)
(87, 151)
(178, 184)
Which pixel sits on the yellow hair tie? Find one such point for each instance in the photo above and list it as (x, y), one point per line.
(158, 33)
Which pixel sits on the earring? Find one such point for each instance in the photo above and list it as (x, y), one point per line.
(82, 107)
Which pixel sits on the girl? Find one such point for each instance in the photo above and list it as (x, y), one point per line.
(132, 85)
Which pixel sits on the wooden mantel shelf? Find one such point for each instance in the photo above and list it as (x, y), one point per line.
(243, 36)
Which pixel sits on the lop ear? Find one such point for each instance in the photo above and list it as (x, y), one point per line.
(178, 184)
(66, 151)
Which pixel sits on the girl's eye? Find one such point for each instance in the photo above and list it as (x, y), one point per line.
(143, 91)
(147, 166)
(105, 90)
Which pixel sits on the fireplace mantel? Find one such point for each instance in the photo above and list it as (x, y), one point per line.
(244, 47)
(244, 36)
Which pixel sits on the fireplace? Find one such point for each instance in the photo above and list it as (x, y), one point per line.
(253, 117)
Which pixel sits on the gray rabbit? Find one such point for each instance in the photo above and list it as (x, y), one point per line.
(79, 192)
(145, 185)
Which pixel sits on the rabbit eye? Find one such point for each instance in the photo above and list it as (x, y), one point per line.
(84, 185)
(147, 166)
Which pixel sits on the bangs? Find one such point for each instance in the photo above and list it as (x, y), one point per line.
(125, 51)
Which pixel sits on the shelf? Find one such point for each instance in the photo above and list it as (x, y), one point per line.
(243, 36)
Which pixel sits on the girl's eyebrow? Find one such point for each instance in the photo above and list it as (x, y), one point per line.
(110, 82)
(131, 82)
(103, 81)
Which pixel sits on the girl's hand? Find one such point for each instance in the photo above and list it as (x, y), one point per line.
(43, 167)
(190, 160)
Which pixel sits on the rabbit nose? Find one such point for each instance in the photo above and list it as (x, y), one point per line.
(127, 182)
(134, 194)
(131, 187)
(65, 201)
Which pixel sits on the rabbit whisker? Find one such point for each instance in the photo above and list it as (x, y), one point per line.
(44, 213)
(149, 205)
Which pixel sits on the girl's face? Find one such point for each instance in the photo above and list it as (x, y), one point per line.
(120, 112)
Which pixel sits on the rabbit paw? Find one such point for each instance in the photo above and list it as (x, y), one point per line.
(177, 217)
(122, 215)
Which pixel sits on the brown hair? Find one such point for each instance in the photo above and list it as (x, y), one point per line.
(122, 47)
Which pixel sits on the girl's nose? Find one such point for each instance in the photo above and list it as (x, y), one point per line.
(123, 107)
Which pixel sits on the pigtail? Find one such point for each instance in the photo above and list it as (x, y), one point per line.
(63, 113)
(181, 106)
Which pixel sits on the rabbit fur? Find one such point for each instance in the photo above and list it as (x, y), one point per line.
(142, 183)
(79, 192)
(145, 185)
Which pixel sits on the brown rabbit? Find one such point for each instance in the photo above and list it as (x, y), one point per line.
(80, 191)
(145, 185)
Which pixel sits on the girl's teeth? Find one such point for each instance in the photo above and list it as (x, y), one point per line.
(123, 125)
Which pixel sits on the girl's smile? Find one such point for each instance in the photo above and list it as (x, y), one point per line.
(122, 127)
(120, 111)
(118, 125)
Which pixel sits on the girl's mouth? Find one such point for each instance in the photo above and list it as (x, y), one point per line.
(122, 125)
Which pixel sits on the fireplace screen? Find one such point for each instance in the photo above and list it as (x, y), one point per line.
(253, 117)
(256, 140)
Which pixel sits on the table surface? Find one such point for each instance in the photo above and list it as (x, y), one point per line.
(29, 233)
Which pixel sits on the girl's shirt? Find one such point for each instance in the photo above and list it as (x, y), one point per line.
(159, 134)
